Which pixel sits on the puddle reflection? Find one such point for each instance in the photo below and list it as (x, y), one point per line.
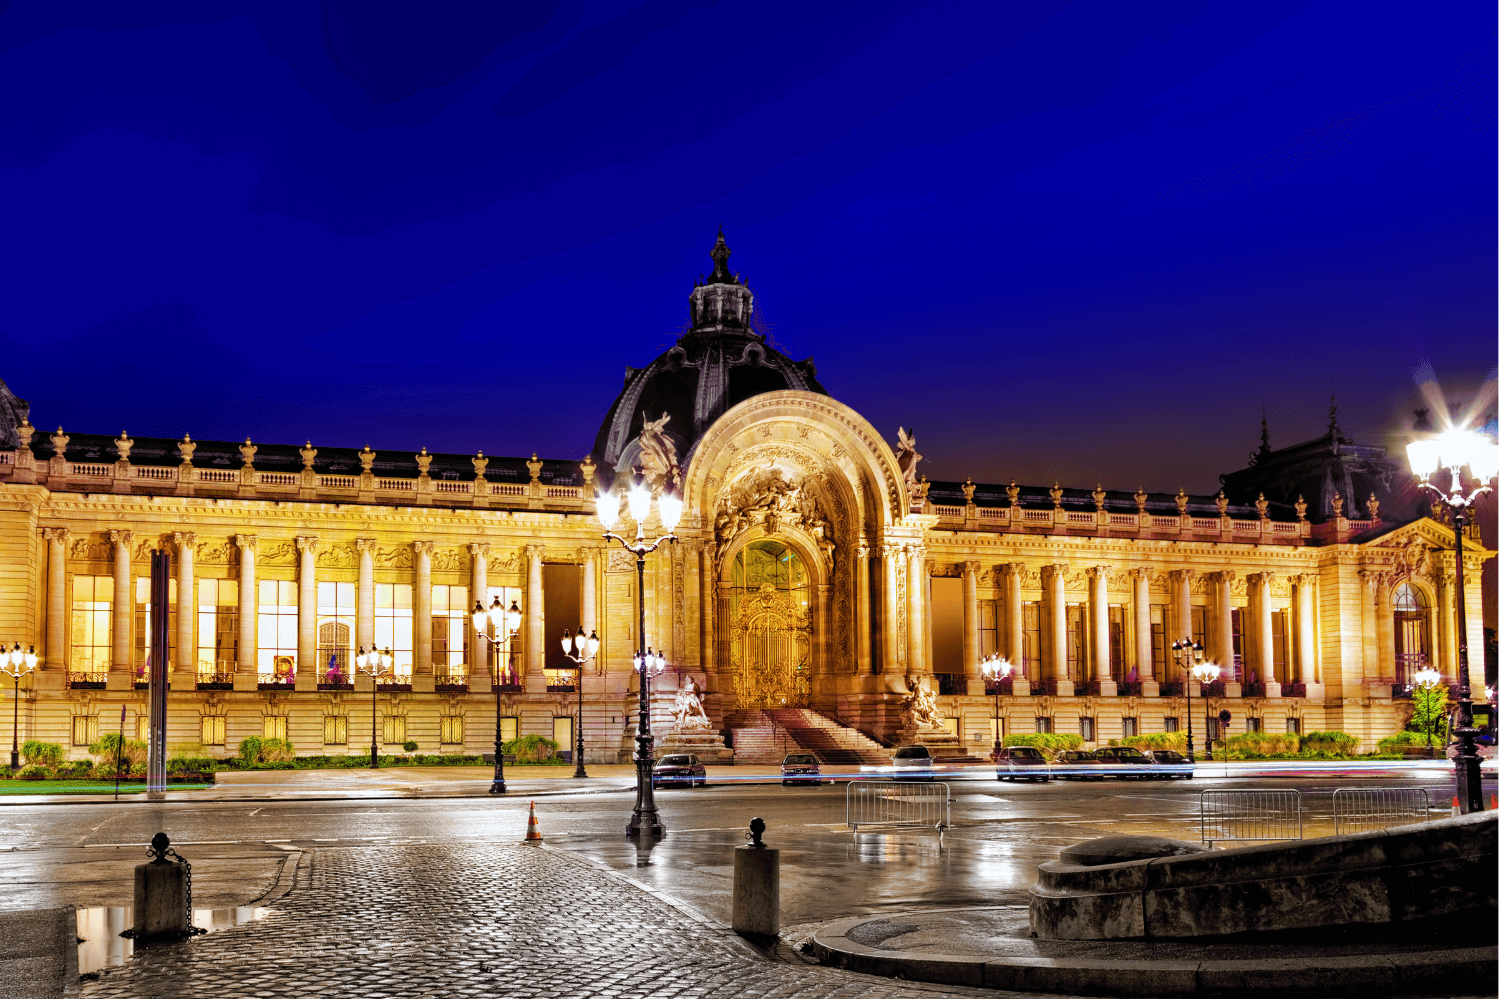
(100, 945)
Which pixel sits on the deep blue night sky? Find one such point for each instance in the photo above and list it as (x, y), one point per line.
(1078, 241)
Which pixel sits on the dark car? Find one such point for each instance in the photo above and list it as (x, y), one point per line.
(1076, 764)
(912, 763)
(800, 768)
(1125, 761)
(1168, 763)
(1021, 763)
(679, 770)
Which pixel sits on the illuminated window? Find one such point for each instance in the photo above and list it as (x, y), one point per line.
(393, 729)
(85, 729)
(452, 730)
(273, 727)
(393, 627)
(143, 620)
(509, 729)
(277, 638)
(211, 730)
(335, 730)
(218, 625)
(988, 627)
(450, 627)
(335, 631)
(93, 602)
(1030, 616)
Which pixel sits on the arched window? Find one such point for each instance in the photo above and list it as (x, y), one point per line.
(1412, 631)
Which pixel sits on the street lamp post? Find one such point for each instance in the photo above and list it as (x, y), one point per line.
(10, 665)
(580, 650)
(506, 622)
(1205, 673)
(374, 664)
(1451, 451)
(996, 667)
(1187, 654)
(1427, 679)
(643, 821)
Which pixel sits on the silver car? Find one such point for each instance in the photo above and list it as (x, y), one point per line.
(912, 763)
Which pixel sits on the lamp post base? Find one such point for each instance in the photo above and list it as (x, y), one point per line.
(498, 787)
(15, 760)
(580, 770)
(645, 825)
(374, 758)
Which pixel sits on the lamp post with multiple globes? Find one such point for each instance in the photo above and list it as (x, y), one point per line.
(1187, 654)
(507, 623)
(1204, 673)
(1452, 451)
(580, 650)
(643, 821)
(10, 664)
(374, 664)
(1427, 679)
(995, 668)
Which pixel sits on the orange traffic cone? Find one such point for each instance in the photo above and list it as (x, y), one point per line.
(533, 831)
(1457, 809)
(1494, 802)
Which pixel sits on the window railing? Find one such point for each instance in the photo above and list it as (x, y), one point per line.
(1293, 690)
(952, 683)
(88, 680)
(1218, 688)
(1173, 688)
(335, 679)
(1046, 688)
(1131, 688)
(1003, 687)
(451, 679)
(216, 681)
(1255, 689)
(395, 682)
(1086, 688)
(276, 681)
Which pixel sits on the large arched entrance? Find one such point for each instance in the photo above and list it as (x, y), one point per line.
(770, 626)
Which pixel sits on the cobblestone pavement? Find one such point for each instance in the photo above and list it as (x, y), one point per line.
(504, 921)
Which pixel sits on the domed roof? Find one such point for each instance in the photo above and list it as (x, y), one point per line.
(719, 362)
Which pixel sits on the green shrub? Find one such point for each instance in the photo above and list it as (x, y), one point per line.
(74, 768)
(189, 764)
(1158, 740)
(46, 754)
(34, 771)
(108, 748)
(186, 751)
(1329, 744)
(1392, 743)
(531, 749)
(1045, 741)
(409, 745)
(1258, 745)
(249, 749)
(277, 751)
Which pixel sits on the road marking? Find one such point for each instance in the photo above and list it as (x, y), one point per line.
(184, 842)
(252, 814)
(325, 840)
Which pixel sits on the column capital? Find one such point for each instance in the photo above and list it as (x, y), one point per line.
(306, 543)
(1056, 570)
(1262, 578)
(1225, 576)
(1184, 575)
(58, 534)
(423, 547)
(245, 542)
(861, 551)
(184, 540)
(371, 545)
(1011, 570)
(916, 551)
(972, 568)
(1144, 574)
(1098, 572)
(118, 538)
(479, 549)
(890, 550)
(535, 551)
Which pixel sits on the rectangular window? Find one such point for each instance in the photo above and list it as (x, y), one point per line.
(393, 729)
(1200, 625)
(1253, 725)
(143, 727)
(273, 727)
(562, 732)
(93, 605)
(143, 621)
(450, 628)
(1030, 615)
(1236, 620)
(1278, 640)
(218, 625)
(1087, 729)
(452, 730)
(499, 657)
(1213, 729)
(1293, 726)
(85, 727)
(393, 627)
(1129, 727)
(1172, 724)
(277, 626)
(1075, 640)
(509, 729)
(335, 730)
(988, 628)
(335, 632)
(211, 730)
(1158, 639)
(1117, 658)
(1043, 725)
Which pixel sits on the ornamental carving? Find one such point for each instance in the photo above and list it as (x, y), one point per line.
(401, 557)
(214, 552)
(448, 559)
(143, 551)
(337, 557)
(1239, 587)
(83, 549)
(768, 497)
(284, 553)
(1280, 588)
(620, 561)
(947, 571)
(1200, 584)
(769, 651)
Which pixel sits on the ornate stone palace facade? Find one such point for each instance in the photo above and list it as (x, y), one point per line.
(821, 590)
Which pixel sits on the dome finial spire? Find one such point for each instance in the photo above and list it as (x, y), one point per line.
(720, 254)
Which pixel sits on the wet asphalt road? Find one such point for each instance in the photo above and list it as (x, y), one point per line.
(999, 833)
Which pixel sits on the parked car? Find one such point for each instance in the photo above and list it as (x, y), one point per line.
(1168, 763)
(1125, 761)
(912, 763)
(800, 768)
(1076, 764)
(1021, 763)
(679, 770)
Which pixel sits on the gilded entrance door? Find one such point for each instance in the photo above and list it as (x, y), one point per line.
(770, 634)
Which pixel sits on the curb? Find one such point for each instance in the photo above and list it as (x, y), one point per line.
(1452, 971)
(71, 987)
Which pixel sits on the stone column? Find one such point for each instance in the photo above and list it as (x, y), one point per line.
(479, 654)
(1098, 667)
(1264, 643)
(863, 636)
(588, 611)
(707, 611)
(56, 649)
(892, 657)
(1446, 629)
(1054, 610)
(535, 622)
(478, 576)
(1223, 624)
(187, 611)
(1181, 607)
(1384, 614)
(1306, 636)
(364, 598)
(1144, 648)
(244, 677)
(971, 623)
(421, 612)
(1368, 626)
(121, 668)
(916, 609)
(307, 664)
(1014, 615)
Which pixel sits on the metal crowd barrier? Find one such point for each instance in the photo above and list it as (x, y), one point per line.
(1362, 809)
(897, 803)
(1249, 816)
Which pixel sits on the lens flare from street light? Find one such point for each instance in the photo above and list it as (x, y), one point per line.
(608, 508)
(1423, 456)
(640, 500)
(671, 509)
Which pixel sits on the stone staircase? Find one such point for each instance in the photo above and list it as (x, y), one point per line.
(767, 736)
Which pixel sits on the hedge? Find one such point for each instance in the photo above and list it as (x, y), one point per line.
(1156, 740)
(46, 754)
(532, 749)
(1045, 741)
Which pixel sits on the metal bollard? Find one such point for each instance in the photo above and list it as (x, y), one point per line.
(162, 894)
(757, 886)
